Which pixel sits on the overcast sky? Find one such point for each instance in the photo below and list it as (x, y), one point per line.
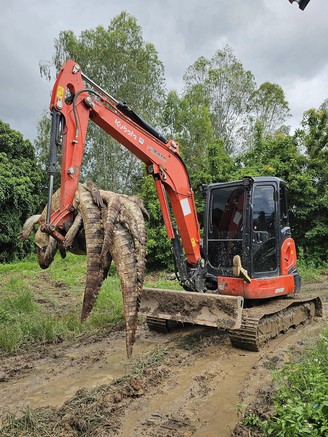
(274, 39)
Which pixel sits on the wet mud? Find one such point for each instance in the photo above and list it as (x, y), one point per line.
(190, 382)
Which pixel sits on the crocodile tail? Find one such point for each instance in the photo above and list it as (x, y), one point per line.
(94, 235)
(137, 227)
(28, 226)
(111, 217)
(124, 256)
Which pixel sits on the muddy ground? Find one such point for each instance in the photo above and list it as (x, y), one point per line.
(187, 383)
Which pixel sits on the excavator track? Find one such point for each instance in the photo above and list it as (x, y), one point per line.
(162, 325)
(267, 321)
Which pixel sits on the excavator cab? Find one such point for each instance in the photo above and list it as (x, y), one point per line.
(249, 219)
(251, 256)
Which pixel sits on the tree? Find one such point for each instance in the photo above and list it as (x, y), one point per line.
(271, 108)
(120, 61)
(280, 155)
(189, 121)
(313, 139)
(20, 182)
(234, 101)
(227, 89)
(190, 124)
(159, 248)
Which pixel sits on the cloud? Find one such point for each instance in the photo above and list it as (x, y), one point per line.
(273, 39)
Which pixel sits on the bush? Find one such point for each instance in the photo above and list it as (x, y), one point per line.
(20, 181)
(301, 403)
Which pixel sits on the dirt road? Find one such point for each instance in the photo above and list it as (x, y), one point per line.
(188, 383)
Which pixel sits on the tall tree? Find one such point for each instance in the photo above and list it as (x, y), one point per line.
(189, 121)
(20, 182)
(121, 62)
(234, 101)
(228, 89)
(271, 108)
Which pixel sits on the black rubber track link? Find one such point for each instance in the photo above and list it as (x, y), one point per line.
(162, 325)
(265, 322)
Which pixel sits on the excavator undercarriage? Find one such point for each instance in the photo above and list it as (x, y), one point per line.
(249, 328)
(275, 316)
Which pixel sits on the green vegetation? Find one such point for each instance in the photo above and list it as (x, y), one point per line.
(43, 306)
(40, 307)
(301, 401)
(20, 183)
(310, 272)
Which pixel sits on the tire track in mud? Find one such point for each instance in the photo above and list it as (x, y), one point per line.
(52, 376)
(201, 399)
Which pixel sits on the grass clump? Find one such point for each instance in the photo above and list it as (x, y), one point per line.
(160, 280)
(152, 359)
(311, 270)
(21, 332)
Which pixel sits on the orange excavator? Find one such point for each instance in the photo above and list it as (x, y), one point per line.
(239, 274)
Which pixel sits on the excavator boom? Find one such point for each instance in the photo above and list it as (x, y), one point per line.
(76, 104)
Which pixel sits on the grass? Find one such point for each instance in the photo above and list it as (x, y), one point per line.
(301, 400)
(160, 280)
(43, 306)
(39, 307)
(311, 273)
(151, 359)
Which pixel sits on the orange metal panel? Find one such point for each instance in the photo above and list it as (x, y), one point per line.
(287, 256)
(258, 288)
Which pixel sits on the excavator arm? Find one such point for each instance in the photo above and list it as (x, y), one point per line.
(75, 100)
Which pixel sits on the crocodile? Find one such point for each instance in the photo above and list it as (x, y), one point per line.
(107, 226)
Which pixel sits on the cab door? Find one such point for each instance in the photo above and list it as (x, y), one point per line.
(224, 226)
(264, 238)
